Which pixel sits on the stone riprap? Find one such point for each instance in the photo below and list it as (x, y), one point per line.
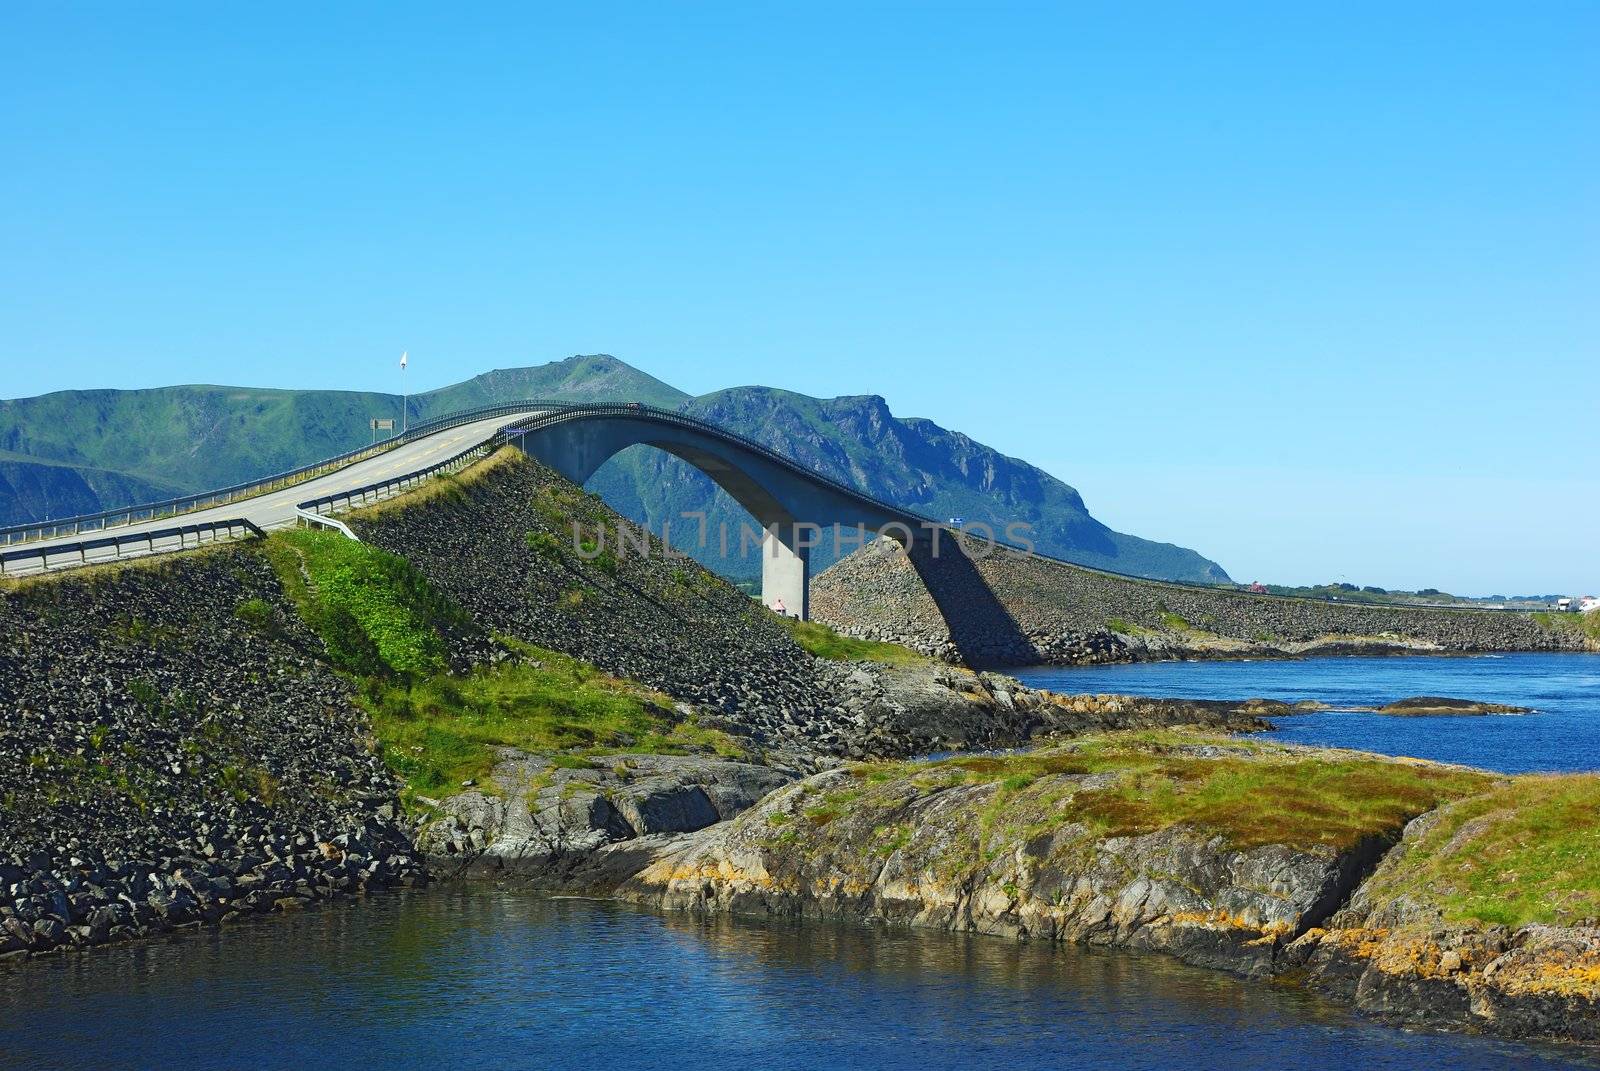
(501, 544)
(1066, 615)
(173, 753)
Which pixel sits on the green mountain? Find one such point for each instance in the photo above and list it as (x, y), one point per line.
(81, 451)
(912, 462)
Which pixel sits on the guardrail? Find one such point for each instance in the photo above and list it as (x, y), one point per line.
(117, 518)
(132, 545)
(369, 494)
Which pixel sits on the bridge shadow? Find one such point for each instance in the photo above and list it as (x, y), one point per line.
(982, 629)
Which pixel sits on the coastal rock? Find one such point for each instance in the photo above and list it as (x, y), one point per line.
(1435, 705)
(546, 817)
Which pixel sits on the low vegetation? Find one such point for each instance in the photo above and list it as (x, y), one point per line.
(386, 626)
(376, 615)
(1586, 624)
(1525, 851)
(439, 731)
(1250, 793)
(822, 641)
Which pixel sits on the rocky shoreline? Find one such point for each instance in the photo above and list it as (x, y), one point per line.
(960, 846)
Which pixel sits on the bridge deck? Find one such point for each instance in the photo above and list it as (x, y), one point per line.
(275, 509)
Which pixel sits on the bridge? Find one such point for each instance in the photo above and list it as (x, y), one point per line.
(792, 504)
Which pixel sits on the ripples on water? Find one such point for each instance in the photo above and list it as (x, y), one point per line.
(1563, 688)
(489, 979)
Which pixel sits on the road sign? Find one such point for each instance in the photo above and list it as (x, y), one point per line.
(383, 425)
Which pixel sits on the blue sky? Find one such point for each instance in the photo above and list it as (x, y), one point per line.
(1314, 291)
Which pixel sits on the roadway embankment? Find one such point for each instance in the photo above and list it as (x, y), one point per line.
(1061, 614)
(176, 750)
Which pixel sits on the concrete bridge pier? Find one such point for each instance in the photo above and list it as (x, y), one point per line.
(786, 570)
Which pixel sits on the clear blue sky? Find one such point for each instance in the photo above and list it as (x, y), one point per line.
(1315, 291)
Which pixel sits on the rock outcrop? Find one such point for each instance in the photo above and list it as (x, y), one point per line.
(1262, 860)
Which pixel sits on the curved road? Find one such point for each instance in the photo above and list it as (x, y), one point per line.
(275, 509)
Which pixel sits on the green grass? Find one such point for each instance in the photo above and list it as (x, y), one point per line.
(1586, 624)
(1121, 627)
(441, 730)
(1526, 851)
(384, 624)
(1175, 622)
(376, 615)
(822, 641)
(1258, 795)
(545, 545)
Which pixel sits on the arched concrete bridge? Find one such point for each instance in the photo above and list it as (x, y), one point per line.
(795, 507)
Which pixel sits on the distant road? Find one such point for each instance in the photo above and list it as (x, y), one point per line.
(275, 509)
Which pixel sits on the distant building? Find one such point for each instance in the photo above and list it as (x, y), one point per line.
(1563, 603)
(1258, 588)
(1589, 604)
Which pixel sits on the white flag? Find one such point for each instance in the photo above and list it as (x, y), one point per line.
(403, 359)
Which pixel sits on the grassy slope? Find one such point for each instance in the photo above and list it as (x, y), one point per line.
(442, 730)
(822, 641)
(1254, 793)
(386, 627)
(1587, 624)
(1527, 850)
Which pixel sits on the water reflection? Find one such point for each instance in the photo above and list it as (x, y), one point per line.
(504, 979)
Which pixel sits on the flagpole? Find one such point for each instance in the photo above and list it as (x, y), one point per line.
(405, 397)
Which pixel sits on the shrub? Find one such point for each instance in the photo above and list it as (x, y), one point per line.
(545, 545)
(257, 613)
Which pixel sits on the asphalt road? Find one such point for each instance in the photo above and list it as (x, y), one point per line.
(275, 509)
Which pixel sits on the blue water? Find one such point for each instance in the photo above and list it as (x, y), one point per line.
(489, 978)
(1563, 688)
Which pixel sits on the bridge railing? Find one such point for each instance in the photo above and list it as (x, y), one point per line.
(559, 414)
(116, 518)
(369, 494)
(129, 545)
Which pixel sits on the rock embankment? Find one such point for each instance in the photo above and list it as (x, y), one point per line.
(1067, 615)
(502, 545)
(174, 753)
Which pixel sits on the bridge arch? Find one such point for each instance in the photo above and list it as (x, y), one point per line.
(793, 505)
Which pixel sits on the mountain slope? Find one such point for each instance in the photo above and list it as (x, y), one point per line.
(80, 451)
(193, 438)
